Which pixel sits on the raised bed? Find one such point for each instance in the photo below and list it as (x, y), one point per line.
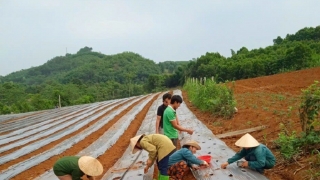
(121, 167)
(59, 148)
(50, 123)
(212, 145)
(108, 138)
(31, 147)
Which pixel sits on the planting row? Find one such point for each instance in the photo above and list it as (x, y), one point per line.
(86, 118)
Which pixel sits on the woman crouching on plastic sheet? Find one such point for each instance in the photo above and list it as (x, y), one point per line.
(159, 146)
(73, 168)
(181, 160)
(258, 157)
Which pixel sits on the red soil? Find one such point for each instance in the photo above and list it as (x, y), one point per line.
(75, 149)
(111, 156)
(265, 101)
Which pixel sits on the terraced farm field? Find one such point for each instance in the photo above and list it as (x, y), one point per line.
(30, 143)
(267, 101)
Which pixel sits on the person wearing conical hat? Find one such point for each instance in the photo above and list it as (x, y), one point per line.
(159, 147)
(74, 167)
(181, 160)
(258, 157)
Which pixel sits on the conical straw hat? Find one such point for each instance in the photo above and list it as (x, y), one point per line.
(247, 141)
(90, 166)
(194, 144)
(133, 142)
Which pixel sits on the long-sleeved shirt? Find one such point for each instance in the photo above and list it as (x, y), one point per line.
(186, 155)
(68, 165)
(264, 157)
(157, 145)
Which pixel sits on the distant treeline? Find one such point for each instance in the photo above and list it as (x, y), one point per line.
(89, 76)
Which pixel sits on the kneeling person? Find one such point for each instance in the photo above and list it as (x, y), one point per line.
(181, 160)
(258, 157)
(74, 167)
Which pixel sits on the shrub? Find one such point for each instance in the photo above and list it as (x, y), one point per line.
(210, 96)
(291, 144)
(309, 108)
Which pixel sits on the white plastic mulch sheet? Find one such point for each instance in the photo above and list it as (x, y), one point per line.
(213, 146)
(59, 148)
(136, 171)
(109, 137)
(43, 128)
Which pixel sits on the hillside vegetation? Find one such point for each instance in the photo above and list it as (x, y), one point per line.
(89, 76)
(84, 77)
(294, 52)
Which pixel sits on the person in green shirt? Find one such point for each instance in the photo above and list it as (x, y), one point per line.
(159, 121)
(74, 167)
(159, 148)
(258, 157)
(170, 124)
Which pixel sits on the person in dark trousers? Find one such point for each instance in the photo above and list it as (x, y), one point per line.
(182, 160)
(170, 124)
(159, 123)
(258, 157)
(75, 167)
(159, 147)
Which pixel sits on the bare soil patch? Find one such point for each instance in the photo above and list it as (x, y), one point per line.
(268, 101)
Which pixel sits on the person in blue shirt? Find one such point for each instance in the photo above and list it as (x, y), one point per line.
(258, 157)
(181, 160)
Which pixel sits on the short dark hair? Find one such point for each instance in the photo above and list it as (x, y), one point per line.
(176, 98)
(186, 146)
(166, 96)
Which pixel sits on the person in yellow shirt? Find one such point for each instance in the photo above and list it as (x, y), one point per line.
(159, 147)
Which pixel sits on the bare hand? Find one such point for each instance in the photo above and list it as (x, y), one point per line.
(245, 164)
(190, 131)
(146, 169)
(224, 165)
(149, 163)
(205, 164)
(195, 167)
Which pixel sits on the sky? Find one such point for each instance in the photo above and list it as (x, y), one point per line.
(35, 31)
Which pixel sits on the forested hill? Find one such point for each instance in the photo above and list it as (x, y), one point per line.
(293, 52)
(89, 67)
(84, 77)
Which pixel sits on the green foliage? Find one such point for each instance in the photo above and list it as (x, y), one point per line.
(88, 67)
(292, 144)
(84, 50)
(288, 145)
(171, 66)
(314, 172)
(155, 82)
(213, 97)
(309, 108)
(297, 51)
(84, 77)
